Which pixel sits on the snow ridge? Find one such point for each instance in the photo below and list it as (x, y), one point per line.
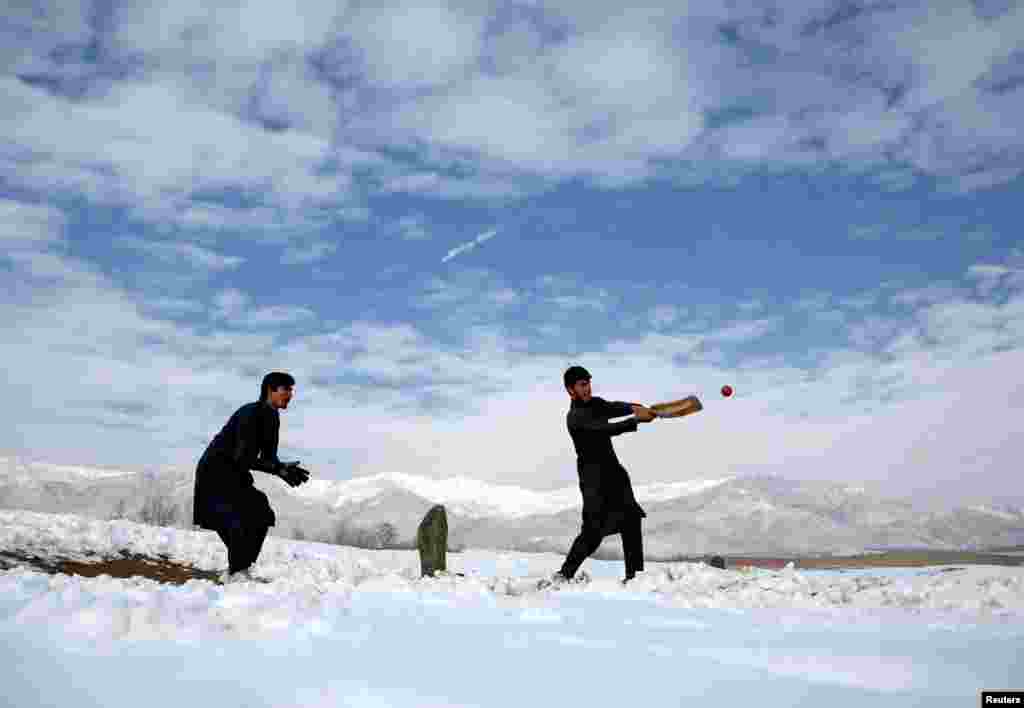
(463, 495)
(475, 498)
(25, 469)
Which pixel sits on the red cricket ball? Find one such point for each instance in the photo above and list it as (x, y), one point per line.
(726, 391)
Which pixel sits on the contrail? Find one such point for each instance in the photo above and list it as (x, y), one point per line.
(469, 245)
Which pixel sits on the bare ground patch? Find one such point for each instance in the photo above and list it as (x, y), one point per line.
(128, 565)
(891, 559)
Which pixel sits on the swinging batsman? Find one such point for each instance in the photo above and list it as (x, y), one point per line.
(609, 506)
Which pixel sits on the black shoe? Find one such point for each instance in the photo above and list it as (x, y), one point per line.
(556, 580)
(630, 576)
(239, 576)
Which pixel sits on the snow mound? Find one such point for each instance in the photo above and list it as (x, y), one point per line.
(341, 626)
(311, 583)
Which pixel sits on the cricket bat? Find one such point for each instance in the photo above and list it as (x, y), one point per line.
(678, 408)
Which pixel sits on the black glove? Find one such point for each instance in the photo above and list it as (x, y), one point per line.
(293, 474)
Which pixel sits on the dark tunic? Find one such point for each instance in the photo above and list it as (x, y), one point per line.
(224, 493)
(604, 482)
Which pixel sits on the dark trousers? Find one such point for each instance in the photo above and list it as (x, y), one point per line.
(244, 545)
(593, 531)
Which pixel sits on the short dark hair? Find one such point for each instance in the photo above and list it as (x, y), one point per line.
(275, 380)
(574, 374)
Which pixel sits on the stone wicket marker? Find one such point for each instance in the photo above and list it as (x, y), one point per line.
(432, 541)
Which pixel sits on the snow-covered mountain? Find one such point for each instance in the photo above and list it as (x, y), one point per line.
(769, 515)
(476, 499)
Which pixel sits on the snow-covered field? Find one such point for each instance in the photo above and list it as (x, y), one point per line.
(339, 626)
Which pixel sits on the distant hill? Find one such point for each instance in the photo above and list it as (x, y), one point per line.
(748, 515)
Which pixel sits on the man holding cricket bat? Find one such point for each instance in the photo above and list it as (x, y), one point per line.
(609, 506)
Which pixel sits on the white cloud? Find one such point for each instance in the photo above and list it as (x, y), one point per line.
(96, 347)
(513, 46)
(556, 90)
(655, 346)
(413, 228)
(617, 69)
(467, 296)
(173, 305)
(146, 145)
(507, 296)
(275, 315)
(289, 94)
(211, 217)
(415, 44)
(926, 402)
(31, 32)
(813, 301)
(230, 302)
(177, 252)
(665, 315)
(989, 276)
(48, 267)
(571, 88)
(579, 302)
(751, 306)
(513, 119)
(308, 253)
(29, 226)
(234, 308)
(874, 88)
(479, 186)
(354, 213)
(745, 331)
(633, 92)
(470, 245)
(935, 293)
(952, 49)
(39, 272)
(862, 129)
(762, 138)
(581, 106)
(239, 31)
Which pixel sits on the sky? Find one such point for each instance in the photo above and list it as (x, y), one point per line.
(427, 213)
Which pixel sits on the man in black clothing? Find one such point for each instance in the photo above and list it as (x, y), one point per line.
(609, 505)
(225, 499)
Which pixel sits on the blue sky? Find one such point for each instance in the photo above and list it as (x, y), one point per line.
(426, 214)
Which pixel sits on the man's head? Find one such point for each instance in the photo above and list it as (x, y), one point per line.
(276, 389)
(577, 383)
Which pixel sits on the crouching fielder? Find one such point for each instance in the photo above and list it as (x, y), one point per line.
(225, 499)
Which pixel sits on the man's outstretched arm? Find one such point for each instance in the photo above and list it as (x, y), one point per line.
(618, 409)
(256, 449)
(584, 420)
(613, 409)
